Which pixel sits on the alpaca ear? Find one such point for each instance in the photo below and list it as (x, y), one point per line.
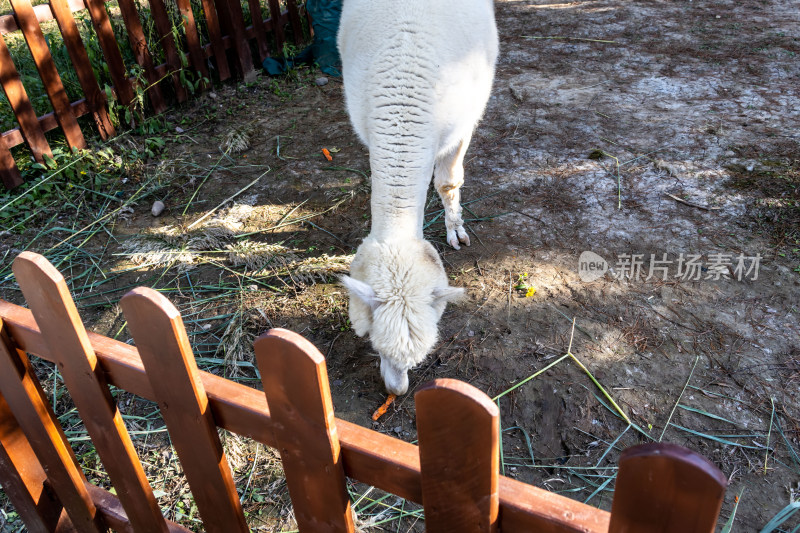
(448, 294)
(362, 291)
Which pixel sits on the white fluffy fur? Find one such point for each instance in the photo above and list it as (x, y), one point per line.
(417, 76)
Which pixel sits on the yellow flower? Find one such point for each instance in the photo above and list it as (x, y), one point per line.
(531, 292)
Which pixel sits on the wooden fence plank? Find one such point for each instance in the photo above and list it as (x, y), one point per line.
(24, 395)
(109, 506)
(373, 458)
(164, 27)
(527, 508)
(23, 477)
(108, 43)
(215, 36)
(193, 40)
(9, 173)
(665, 487)
(14, 137)
(277, 26)
(48, 72)
(259, 28)
(163, 345)
(47, 295)
(458, 430)
(21, 105)
(294, 18)
(243, 58)
(8, 23)
(141, 52)
(83, 68)
(296, 385)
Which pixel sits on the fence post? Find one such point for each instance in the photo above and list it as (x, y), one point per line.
(193, 41)
(164, 27)
(665, 487)
(47, 295)
(259, 29)
(277, 26)
(21, 105)
(294, 18)
(24, 395)
(34, 37)
(298, 394)
(215, 36)
(138, 42)
(83, 67)
(108, 43)
(244, 59)
(9, 173)
(24, 478)
(458, 429)
(160, 336)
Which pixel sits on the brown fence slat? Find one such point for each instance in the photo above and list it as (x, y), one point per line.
(21, 105)
(9, 173)
(47, 295)
(294, 18)
(665, 487)
(108, 43)
(47, 122)
(193, 39)
(259, 29)
(48, 72)
(296, 385)
(242, 47)
(458, 429)
(388, 463)
(24, 395)
(158, 331)
(138, 43)
(164, 28)
(215, 36)
(110, 508)
(83, 68)
(8, 23)
(527, 508)
(23, 477)
(277, 26)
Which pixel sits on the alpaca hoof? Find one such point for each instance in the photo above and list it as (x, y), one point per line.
(457, 236)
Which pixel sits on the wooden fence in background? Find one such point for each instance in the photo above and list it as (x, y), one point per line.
(453, 472)
(226, 32)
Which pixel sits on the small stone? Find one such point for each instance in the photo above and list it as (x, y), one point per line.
(398, 429)
(212, 95)
(750, 167)
(158, 208)
(471, 333)
(178, 129)
(322, 80)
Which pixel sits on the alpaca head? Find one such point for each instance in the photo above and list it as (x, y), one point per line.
(398, 292)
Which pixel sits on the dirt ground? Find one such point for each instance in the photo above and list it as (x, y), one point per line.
(619, 128)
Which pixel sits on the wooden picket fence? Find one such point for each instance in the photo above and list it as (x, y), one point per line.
(453, 472)
(224, 20)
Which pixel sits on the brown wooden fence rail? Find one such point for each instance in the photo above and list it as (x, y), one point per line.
(453, 472)
(226, 31)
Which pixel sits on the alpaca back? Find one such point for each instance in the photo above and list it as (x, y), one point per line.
(417, 77)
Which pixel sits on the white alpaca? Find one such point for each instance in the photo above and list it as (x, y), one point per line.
(417, 76)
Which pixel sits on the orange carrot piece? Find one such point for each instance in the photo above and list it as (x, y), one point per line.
(327, 154)
(380, 411)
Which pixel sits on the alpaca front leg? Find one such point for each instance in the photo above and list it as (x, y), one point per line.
(448, 177)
